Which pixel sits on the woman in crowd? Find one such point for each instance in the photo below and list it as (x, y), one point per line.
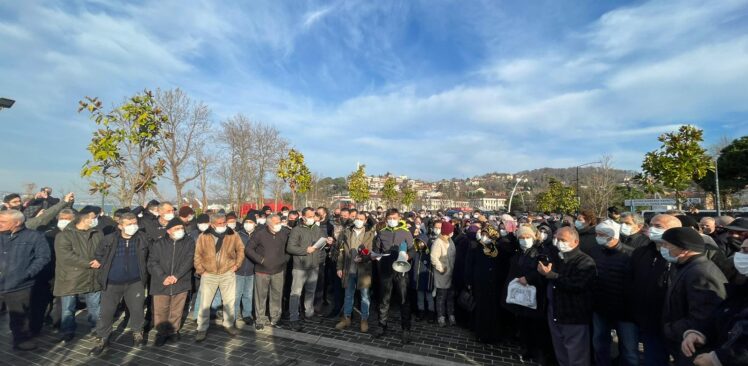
(483, 280)
(443, 255)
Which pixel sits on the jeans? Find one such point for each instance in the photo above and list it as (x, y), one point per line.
(209, 284)
(245, 286)
(445, 302)
(134, 295)
(69, 302)
(628, 341)
(303, 280)
(268, 286)
(350, 290)
(655, 349)
(424, 300)
(17, 303)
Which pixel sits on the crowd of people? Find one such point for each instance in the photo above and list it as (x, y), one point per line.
(567, 289)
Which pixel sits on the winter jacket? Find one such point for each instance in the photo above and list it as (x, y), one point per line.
(347, 253)
(107, 249)
(524, 263)
(443, 254)
(648, 280)
(24, 254)
(694, 293)
(635, 241)
(248, 267)
(587, 239)
(610, 289)
(169, 257)
(388, 240)
(268, 250)
(572, 290)
(302, 237)
(231, 253)
(49, 214)
(152, 227)
(422, 273)
(74, 251)
(726, 330)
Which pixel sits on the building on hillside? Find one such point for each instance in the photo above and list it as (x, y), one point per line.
(488, 203)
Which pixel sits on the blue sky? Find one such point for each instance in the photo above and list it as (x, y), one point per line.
(430, 89)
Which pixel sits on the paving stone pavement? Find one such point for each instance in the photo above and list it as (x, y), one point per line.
(317, 344)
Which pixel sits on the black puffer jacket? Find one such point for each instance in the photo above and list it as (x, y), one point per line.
(572, 290)
(610, 291)
(268, 250)
(726, 330)
(587, 239)
(636, 240)
(525, 264)
(171, 258)
(648, 281)
(108, 248)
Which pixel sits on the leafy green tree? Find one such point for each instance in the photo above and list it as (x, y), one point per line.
(558, 198)
(408, 196)
(295, 173)
(358, 187)
(733, 175)
(389, 192)
(679, 161)
(125, 148)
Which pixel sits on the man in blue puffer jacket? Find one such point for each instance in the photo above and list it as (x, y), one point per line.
(24, 253)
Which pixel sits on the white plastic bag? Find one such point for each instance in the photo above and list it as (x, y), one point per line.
(521, 295)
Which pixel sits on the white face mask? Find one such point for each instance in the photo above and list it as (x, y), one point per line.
(177, 235)
(502, 232)
(526, 243)
(437, 231)
(61, 224)
(261, 221)
(154, 213)
(220, 229)
(478, 236)
(317, 223)
(232, 225)
(277, 228)
(485, 240)
(625, 229)
(130, 230)
(392, 223)
(740, 260)
(655, 233)
(543, 236)
(249, 227)
(94, 223)
(601, 240)
(562, 246)
(358, 224)
(190, 217)
(309, 221)
(169, 216)
(203, 227)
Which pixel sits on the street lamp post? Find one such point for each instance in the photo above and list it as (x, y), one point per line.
(511, 196)
(716, 186)
(579, 200)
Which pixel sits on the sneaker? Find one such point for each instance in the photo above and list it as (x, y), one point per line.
(432, 317)
(28, 345)
(296, 326)
(452, 320)
(67, 337)
(259, 326)
(419, 316)
(137, 339)
(160, 340)
(381, 331)
(201, 335)
(276, 324)
(248, 320)
(442, 322)
(232, 331)
(99, 348)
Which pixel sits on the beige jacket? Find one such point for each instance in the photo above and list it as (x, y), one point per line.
(443, 260)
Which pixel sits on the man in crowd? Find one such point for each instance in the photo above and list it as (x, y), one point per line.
(245, 276)
(571, 274)
(306, 259)
(267, 249)
(392, 240)
(354, 267)
(632, 230)
(122, 275)
(76, 271)
(25, 254)
(695, 291)
(156, 229)
(219, 253)
(187, 215)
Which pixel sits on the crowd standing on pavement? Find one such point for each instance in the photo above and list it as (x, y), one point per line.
(558, 285)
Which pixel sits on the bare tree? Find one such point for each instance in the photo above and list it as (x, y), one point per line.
(268, 147)
(204, 163)
(599, 187)
(187, 128)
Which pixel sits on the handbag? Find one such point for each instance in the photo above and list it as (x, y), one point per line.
(466, 300)
(519, 294)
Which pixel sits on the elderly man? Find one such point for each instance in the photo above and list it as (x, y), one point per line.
(25, 253)
(632, 230)
(571, 275)
(156, 229)
(267, 249)
(611, 297)
(649, 281)
(219, 253)
(694, 292)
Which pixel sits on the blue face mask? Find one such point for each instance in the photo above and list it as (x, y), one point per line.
(579, 225)
(665, 253)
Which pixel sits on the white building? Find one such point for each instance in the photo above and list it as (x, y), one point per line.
(488, 203)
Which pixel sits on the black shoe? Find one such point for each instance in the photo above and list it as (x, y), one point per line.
(176, 336)
(160, 340)
(381, 331)
(332, 314)
(259, 326)
(248, 320)
(231, 331)
(315, 319)
(419, 316)
(405, 336)
(137, 339)
(99, 348)
(200, 336)
(67, 337)
(28, 345)
(296, 326)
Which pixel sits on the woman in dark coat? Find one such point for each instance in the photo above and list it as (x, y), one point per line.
(534, 336)
(482, 278)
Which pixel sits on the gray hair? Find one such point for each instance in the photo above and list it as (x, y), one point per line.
(273, 216)
(66, 211)
(15, 215)
(635, 217)
(216, 216)
(572, 231)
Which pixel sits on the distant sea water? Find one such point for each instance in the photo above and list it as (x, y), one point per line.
(108, 208)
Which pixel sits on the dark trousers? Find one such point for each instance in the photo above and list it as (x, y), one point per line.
(535, 339)
(134, 295)
(398, 282)
(571, 342)
(320, 293)
(41, 301)
(336, 286)
(445, 302)
(18, 305)
(655, 351)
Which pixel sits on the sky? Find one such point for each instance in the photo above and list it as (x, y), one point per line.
(429, 89)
